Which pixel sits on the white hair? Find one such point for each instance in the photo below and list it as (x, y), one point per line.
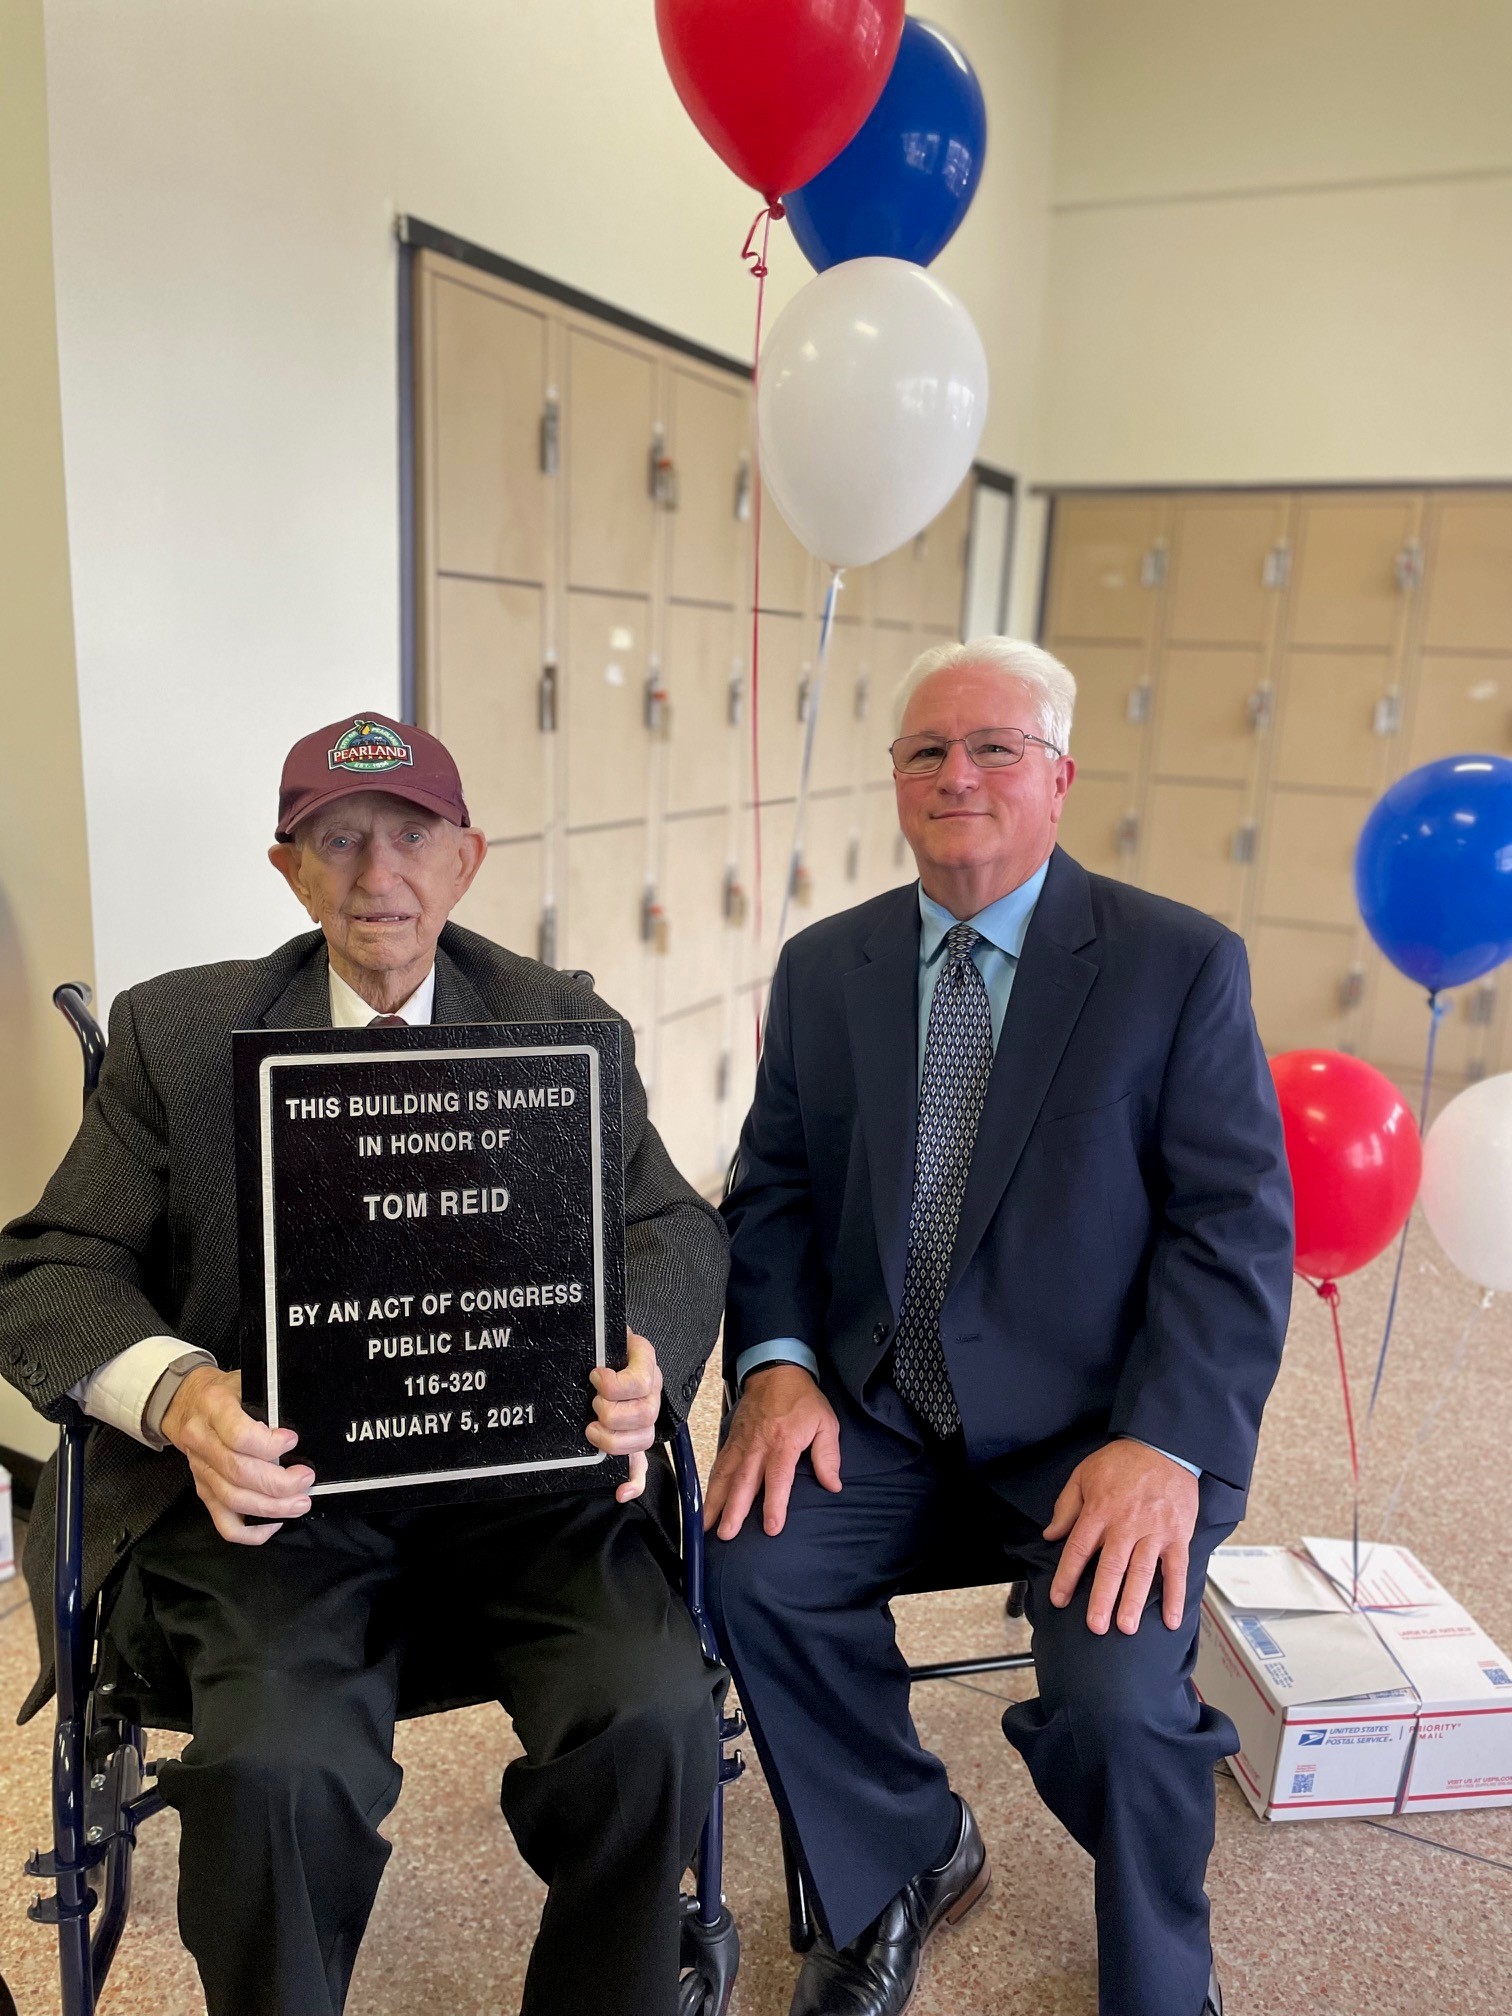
(1050, 684)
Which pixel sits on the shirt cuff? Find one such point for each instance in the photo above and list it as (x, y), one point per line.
(1192, 1469)
(776, 1351)
(120, 1393)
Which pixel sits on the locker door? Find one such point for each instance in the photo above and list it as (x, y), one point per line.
(1469, 580)
(832, 825)
(686, 1110)
(486, 392)
(1223, 588)
(701, 661)
(606, 888)
(784, 648)
(1326, 720)
(1113, 704)
(1396, 1026)
(777, 823)
(1346, 589)
(886, 655)
(1463, 707)
(835, 729)
(787, 572)
(885, 857)
(1307, 873)
(1098, 825)
(1190, 846)
(1304, 987)
(709, 443)
(1106, 564)
(608, 743)
(504, 902)
(610, 433)
(1205, 718)
(942, 587)
(896, 581)
(486, 702)
(694, 858)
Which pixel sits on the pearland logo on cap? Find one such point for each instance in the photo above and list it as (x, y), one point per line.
(368, 746)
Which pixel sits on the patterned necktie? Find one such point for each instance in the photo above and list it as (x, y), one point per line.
(386, 1022)
(957, 1065)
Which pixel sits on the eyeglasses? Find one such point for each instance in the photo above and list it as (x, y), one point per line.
(988, 748)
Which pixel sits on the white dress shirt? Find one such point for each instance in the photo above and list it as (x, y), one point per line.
(122, 1390)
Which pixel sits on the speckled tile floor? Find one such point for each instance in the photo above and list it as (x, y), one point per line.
(1341, 1918)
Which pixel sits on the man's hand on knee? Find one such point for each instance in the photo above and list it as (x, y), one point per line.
(235, 1457)
(780, 1413)
(1136, 1509)
(625, 1407)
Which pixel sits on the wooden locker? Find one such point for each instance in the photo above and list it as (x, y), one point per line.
(610, 431)
(885, 857)
(1226, 569)
(831, 844)
(1099, 825)
(1329, 708)
(1191, 846)
(710, 449)
(1396, 1026)
(696, 964)
(486, 701)
(1352, 572)
(886, 657)
(787, 572)
(1307, 870)
(835, 728)
(1114, 704)
(1107, 562)
(785, 646)
(504, 902)
(896, 581)
(701, 661)
(485, 396)
(741, 1027)
(1306, 986)
(1211, 712)
(942, 585)
(1462, 707)
(686, 1110)
(1469, 576)
(606, 885)
(606, 665)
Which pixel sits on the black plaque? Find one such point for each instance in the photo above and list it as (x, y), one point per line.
(432, 1248)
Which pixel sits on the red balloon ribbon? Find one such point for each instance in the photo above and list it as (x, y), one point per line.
(1328, 1291)
(757, 261)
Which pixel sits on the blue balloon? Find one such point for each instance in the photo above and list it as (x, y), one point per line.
(904, 183)
(1433, 870)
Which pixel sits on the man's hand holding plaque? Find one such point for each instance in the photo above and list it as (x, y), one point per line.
(626, 1405)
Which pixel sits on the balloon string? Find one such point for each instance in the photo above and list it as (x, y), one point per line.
(1437, 1009)
(811, 711)
(1328, 1291)
(757, 261)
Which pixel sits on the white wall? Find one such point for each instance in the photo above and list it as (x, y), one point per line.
(1282, 245)
(225, 179)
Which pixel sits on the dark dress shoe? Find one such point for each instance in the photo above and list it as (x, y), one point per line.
(1214, 2003)
(877, 1973)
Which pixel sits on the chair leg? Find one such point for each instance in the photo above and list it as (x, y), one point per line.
(802, 1928)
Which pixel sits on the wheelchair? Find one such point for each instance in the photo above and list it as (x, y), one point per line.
(102, 1789)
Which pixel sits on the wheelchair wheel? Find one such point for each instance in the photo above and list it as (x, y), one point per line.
(710, 1959)
(7, 2000)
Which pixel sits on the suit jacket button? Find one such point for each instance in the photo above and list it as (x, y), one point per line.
(879, 1333)
(34, 1376)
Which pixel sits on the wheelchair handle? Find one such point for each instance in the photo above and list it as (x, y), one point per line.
(72, 1001)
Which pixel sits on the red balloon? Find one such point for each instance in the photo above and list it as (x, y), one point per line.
(778, 87)
(1355, 1156)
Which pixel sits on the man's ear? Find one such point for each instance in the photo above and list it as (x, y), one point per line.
(471, 848)
(286, 858)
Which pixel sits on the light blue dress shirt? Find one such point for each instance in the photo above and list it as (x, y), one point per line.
(1001, 928)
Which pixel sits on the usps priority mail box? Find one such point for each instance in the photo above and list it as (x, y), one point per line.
(1400, 1703)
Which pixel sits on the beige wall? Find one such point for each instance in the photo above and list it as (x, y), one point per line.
(1282, 246)
(44, 881)
(225, 179)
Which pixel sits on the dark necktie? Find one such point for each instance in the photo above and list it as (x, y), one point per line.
(387, 1022)
(957, 1065)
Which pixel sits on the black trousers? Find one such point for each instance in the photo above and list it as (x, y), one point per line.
(563, 1608)
(1118, 1745)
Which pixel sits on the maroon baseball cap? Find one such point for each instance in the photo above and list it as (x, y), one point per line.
(368, 752)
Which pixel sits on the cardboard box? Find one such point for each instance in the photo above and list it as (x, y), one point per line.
(1399, 1704)
(7, 1530)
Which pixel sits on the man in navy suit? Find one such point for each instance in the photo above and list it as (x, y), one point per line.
(1010, 1274)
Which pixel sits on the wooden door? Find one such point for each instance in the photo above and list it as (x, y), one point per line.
(1100, 826)
(702, 669)
(1307, 863)
(1469, 572)
(487, 667)
(1353, 569)
(1107, 564)
(709, 446)
(942, 584)
(611, 426)
(504, 902)
(607, 664)
(1306, 986)
(695, 860)
(1228, 566)
(1192, 847)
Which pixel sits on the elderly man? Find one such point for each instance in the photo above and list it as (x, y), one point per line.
(1010, 1271)
(120, 1289)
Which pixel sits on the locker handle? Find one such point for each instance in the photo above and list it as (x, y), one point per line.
(658, 706)
(853, 859)
(1258, 707)
(546, 704)
(1152, 568)
(551, 435)
(546, 936)
(1276, 571)
(1242, 845)
(722, 1076)
(1352, 988)
(1127, 833)
(863, 696)
(743, 491)
(1408, 566)
(735, 703)
(1386, 718)
(734, 898)
(805, 689)
(801, 884)
(1481, 1006)
(1137, 708)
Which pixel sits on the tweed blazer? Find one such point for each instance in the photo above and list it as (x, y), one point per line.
(136, 1234)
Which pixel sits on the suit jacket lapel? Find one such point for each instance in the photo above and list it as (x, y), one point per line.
(457, 1000)
(882, 1012)
(1049, 990)
(306, 1002)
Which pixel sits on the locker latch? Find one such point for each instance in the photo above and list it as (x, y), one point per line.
(722, 1076)
(546, 936)
(658, 705)
(1276, 571)
(551, 434)
(661, 474)
(735, 698)
(863, 696)
(800, 882)
(734, 898)
(1137, 707)
(805, 689)
(1258, 706)
(1408, 566)
(1242, 846)
(1475, 1070)
(546, 705)
(1387, 717)
(1152, 568)
(743, 490)
(656, 931)
(853, 858)
(1481, 1006)
(1126, 837)
(1352, 988)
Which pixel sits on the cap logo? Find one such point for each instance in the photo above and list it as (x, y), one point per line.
(368, 745)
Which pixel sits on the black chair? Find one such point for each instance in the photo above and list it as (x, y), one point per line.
(970, 1571)
(102, 1789)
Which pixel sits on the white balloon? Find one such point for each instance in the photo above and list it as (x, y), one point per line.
(871, 397)
(1467, 1181)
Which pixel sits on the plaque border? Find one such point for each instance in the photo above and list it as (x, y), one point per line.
(271, 1329)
